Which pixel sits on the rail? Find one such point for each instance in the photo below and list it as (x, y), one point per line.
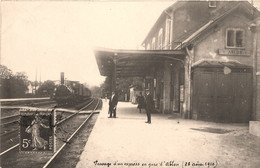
(24, 99)
(15, 115)
(93, 112)
(60, 149)
(75, 113)
(9, 149)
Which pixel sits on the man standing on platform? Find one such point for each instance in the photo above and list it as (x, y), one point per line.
(140, 101)
(149, 106)
(112, 105)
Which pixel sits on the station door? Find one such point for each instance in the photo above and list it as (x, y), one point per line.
(222, 97)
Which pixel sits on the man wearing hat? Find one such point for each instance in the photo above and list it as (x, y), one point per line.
(112, 105)
(149, 106)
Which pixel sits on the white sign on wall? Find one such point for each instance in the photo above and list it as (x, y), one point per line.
(234, 52)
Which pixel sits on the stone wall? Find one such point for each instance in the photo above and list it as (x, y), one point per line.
(258, 76)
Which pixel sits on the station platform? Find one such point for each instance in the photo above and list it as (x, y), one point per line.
(169, 141)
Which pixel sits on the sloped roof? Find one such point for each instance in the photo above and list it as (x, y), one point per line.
(174, 6)
(226, 9)
(194, 35)
(256, 21)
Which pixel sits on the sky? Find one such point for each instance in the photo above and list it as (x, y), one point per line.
(46, 38)
(49, 37)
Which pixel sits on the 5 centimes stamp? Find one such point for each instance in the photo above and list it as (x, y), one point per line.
(37, 130)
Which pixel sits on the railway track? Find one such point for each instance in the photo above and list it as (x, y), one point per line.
(10, 122)
(10, 119)
(58, 123)
(26, 101)
(15, 119)
(7, 111)
(51, 160)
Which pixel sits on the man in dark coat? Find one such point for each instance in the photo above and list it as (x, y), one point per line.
(140, 101)
(112, 105)
(149, 106)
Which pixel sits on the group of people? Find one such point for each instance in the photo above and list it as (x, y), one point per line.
(143, 102)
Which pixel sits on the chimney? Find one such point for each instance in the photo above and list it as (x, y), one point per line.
(62, 78)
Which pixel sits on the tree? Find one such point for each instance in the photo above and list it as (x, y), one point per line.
(5, 73)
(12, 86)
(20, 84)
(105, 88)
(122, 85)
(46, 89)
(96, 91)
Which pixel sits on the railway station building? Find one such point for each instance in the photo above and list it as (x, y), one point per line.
(199, 61)
(254, 125)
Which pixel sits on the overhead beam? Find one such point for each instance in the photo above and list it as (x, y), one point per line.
(133, 62)
(132, 68)
(141, 60)
(136, 73)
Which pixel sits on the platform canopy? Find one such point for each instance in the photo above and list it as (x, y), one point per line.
(133, 63)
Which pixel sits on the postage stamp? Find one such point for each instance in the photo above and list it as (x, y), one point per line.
(37, 130)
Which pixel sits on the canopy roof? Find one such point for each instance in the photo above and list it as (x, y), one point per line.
(133, 63)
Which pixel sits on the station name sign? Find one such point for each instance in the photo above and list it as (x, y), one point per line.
(234, 52)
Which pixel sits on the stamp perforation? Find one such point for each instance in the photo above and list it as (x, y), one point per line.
(37, 130)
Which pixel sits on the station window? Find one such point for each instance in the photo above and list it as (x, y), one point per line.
(168, 33)
(154, 88)
(153, 44)
(160, 39)
(172, 86)
(161, 90)
(235, 38)
(147, 84)
(148, 47)
(212, 4)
